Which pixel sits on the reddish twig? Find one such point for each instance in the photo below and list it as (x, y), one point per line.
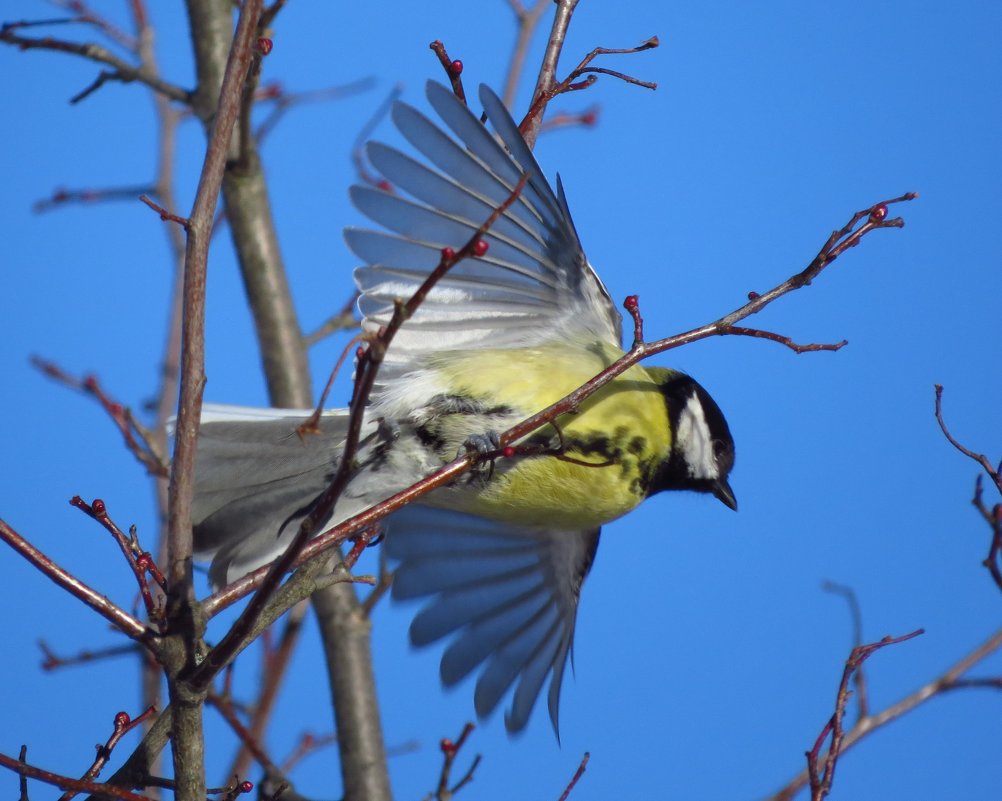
(358, 148)
(340, 321)
(453, 69)
(123, 725)
(581, 77)
(282, 101)
(548, 68)
(450, 750)
(994, 473)
(225, 708)
(140, 561)
(122, 70)
(63, 197)
(165, 215)
(138, 440)
(782, 340)
(949, 680)
(117, 616)
(821, 783)
(993, 516)
(527, 20)
(308, 744)
(859, 678)
(231, 790)
(88, 17)
(22, 768)
(188, 622)
(52, 661)
(564, 119)
(276, 663)
(576, 777)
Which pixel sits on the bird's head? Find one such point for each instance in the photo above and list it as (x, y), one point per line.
(702, 450)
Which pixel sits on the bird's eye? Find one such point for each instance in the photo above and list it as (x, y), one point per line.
(719, 448)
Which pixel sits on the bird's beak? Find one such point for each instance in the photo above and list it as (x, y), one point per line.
(723, 492)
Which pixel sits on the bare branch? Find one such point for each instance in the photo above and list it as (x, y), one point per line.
(949, 680)
(453, 69)
(117, 616)
(576, 777)
(123, 725)
(122, 70)
(548, 69)
(23, 769)
(527, 20)
(138, 440)
(450, 750)
(993, 473)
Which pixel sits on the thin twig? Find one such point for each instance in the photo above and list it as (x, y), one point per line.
(782, 340)
(548, 69)
(53, 661)
(946, 682)
(123, 71)
(576, 777)
(527, 20)
(137, 439)
(64, 197)
(821, 783)
(117, 616)
(22, 768)
(450, 750)
(453, 69)
(993, 473)
(276, 663)
(856, 614)
(122, 726)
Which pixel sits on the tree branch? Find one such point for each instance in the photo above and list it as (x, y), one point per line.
(122, 70)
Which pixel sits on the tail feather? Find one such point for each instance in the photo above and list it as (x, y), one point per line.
(255, 478)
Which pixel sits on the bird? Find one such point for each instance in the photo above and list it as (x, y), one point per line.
(498, 557)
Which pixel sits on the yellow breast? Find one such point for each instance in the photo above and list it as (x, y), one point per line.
(611, 444)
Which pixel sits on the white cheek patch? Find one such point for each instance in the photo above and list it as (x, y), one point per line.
(695, 441)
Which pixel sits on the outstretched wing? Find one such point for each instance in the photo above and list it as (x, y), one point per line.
(533, 283)
(507, 595)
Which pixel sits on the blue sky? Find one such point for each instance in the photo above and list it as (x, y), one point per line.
(707, 654)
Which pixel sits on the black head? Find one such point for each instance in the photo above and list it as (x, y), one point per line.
(702, 450)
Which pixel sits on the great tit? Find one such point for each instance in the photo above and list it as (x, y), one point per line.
(500, 555)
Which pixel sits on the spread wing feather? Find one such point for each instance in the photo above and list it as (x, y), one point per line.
(507, 595)
(532, 285)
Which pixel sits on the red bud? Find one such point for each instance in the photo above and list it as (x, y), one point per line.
(878, 212)
(456, 67)
(264, 45)
(479, 247)
(448, 254)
